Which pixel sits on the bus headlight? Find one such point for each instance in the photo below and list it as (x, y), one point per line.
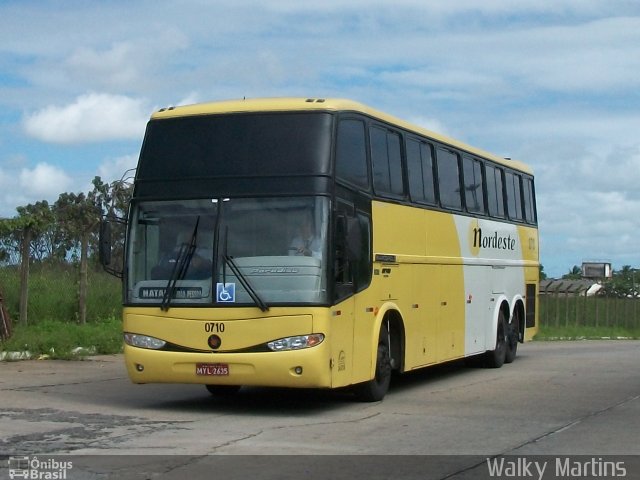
(296, 343)
(143, 341)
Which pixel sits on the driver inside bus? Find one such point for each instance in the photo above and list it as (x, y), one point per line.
(200, 265)
(306, 242)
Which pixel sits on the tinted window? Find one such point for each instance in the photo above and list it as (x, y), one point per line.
(495, 197)
(529, 203)
(386, 162)
(514, 198)
(420, 169)
(473, 185)
(208, 146)
(351, 153)
(449, 179)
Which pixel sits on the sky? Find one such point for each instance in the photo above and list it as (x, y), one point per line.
(554, 83)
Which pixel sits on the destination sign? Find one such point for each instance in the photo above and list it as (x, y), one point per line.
(184, 293)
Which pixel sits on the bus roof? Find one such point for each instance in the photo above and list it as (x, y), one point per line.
(324, 104)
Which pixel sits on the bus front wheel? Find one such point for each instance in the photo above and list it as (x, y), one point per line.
(375, 389)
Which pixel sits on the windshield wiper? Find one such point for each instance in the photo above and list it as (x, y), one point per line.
(180, 267)
(228, 260)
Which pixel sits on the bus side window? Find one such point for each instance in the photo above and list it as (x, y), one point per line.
(529, 203)
(420, 172)
(362, 259)
(449, 179)
(351, 153)
(386, 160)
(514, 196)
(353, 257)
(495, 197)
(473, 185)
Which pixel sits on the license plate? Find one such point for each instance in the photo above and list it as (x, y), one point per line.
(212, 369)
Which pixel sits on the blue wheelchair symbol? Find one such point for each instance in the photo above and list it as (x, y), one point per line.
(225, 292)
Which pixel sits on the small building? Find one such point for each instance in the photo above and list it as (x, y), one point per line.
(566, 287)
(597, 270)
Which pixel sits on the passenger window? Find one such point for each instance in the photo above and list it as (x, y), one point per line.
(473, 185)
(386, 161)
(529, 202)
(351, 153)
(449, 179)
(514, 196)
(420, 169)
(495, 197)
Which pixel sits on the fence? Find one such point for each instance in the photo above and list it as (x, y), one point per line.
(559, 309)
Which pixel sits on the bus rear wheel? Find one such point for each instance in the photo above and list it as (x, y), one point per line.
(495, 358)
(513, 330)
(375, 389)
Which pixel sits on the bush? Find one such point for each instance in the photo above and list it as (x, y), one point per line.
(61, 340)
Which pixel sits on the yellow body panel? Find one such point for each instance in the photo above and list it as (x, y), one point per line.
(243, 329)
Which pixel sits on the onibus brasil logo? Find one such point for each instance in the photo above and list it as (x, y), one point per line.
(38, 469)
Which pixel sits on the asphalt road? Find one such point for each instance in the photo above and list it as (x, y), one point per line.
(557, 399)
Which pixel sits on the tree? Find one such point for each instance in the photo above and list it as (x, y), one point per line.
(623, 283)
(27, 231)
(65, 231)
(78, 217)
(543, 275)
(574, 274)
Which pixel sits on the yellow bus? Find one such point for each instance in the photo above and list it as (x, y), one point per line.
(319, 243)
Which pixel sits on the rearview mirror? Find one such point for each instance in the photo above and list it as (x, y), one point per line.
(105, 248)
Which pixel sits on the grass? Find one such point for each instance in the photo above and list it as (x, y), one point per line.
(60, 340)
(586, 333)
(53, 293)
(52, 329)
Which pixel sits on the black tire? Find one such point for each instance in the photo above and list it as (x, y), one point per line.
(375, 389)
(495, 358)
(513, 330)
(223, 390)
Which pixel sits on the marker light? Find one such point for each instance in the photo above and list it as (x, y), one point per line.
(296, 343)
(143, 341)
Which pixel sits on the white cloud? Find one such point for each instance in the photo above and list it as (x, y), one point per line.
(115, 66)
(117, 168)
(43, 182)
(91, 118)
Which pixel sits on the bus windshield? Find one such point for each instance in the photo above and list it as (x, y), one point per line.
(228, 251)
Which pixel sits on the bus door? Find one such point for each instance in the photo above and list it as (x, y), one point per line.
(353, 315)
